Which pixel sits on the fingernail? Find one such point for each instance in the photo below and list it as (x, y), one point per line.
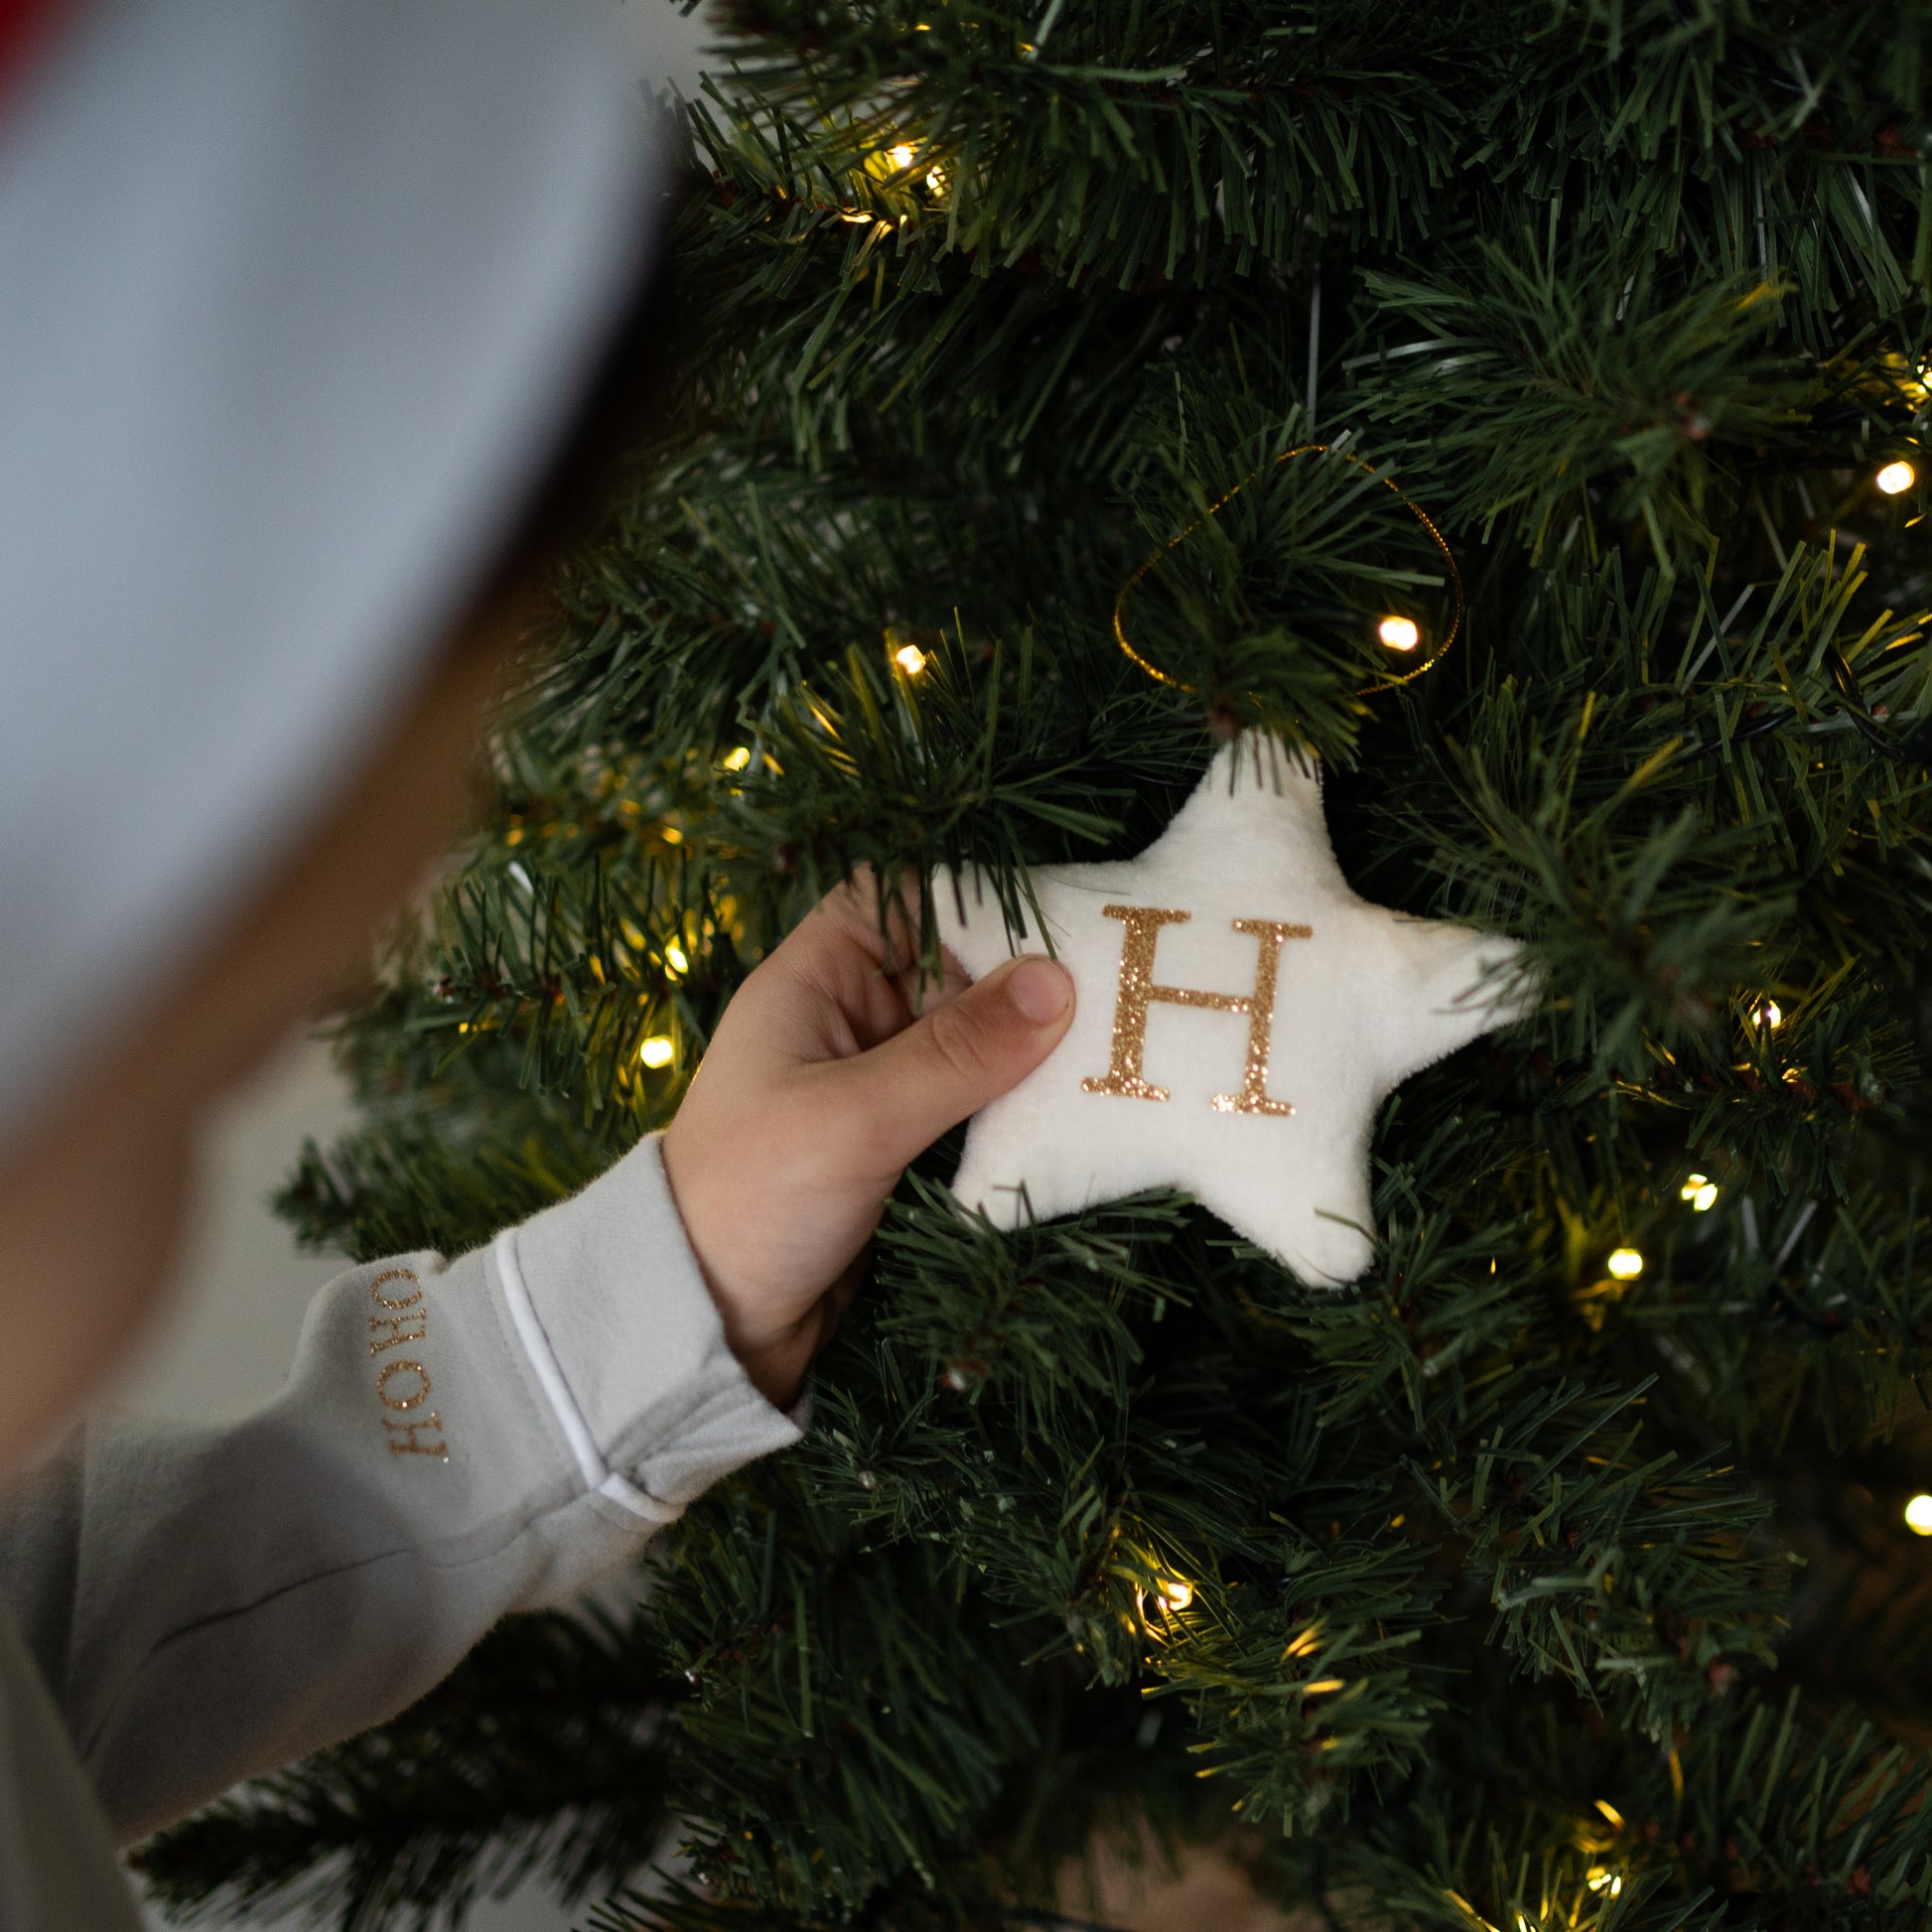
(1040, 988)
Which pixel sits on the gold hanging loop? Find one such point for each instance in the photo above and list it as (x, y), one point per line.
(1414, 509)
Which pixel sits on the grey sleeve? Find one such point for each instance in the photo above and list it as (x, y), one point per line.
(457, 1440)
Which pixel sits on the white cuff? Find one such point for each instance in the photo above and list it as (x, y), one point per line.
(542, 1358)
(627, 1346)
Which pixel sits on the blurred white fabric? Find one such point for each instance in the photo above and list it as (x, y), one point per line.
(228, 1334)
(300, 298)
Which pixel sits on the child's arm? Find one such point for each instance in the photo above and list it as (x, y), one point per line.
(464, 1439)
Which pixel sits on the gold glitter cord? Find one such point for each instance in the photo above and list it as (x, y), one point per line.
(1124, 1077)
(1414, 509)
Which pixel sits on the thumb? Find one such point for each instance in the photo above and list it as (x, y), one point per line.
(956, 1057)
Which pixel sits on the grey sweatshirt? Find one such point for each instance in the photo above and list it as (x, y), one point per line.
(180, 1607)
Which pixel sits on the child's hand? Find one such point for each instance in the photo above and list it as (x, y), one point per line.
(820, 1085)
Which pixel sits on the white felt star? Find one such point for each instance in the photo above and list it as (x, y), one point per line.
(1268, 1105)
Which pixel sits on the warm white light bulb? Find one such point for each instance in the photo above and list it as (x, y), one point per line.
(1624, 1264)
(1399, 633)
(1918, 1515)
(655, 1051)
(1176, 1593)
(1896, 479)
(1770, 1014)
(1700, 1192)
(738, 758)
(900, 156)
(674, 958)
(910, 659)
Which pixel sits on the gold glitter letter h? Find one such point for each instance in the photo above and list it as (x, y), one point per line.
(1138, 989)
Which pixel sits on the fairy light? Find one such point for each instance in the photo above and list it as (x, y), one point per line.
(1399, 633)
(675, 959)
(901, 158)
(1918, 1515)
(1604, 1880)
(1700, 1192)
(655, 1051)
(738, 758)
(935, 180)
(910, 659)
(1624, 1264)
(1769, 1016)
(1896, 479)
(1177, 1593)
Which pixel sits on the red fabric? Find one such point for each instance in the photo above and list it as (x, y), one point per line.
(21, 24)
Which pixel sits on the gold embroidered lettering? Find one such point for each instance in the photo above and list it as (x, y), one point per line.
(423, 1438)
(1139, 989)
(403, 1436)
(399, 1331)
(395, 1274)
(403, 1368)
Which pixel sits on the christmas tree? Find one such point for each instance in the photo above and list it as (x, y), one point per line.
(1516, 407)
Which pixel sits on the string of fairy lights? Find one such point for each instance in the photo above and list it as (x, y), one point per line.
(1166, 1598)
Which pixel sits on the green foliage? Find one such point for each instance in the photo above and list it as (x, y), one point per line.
(544, 1748)
(1519, 1595)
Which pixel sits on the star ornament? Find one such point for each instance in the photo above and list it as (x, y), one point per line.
(1241, 1015)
